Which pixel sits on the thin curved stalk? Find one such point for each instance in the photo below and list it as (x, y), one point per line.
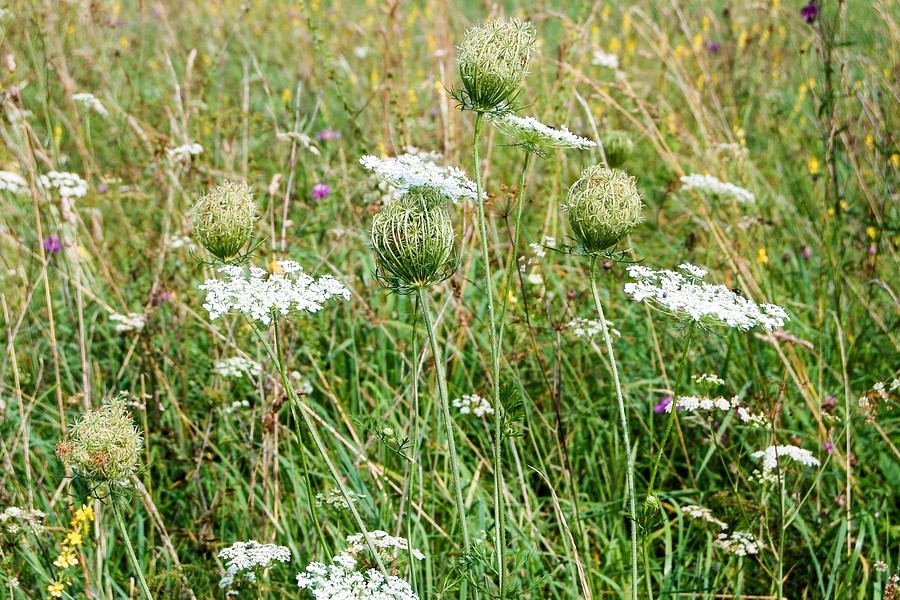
(448, 422)
(626, 438)
(514, 264)
(499, 511)
(129, 550)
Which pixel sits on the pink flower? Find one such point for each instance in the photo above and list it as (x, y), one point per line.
(320, 191)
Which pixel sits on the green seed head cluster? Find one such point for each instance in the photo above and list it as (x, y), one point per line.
(603, 206)
(104, 446)
(617, 146)
(414, 241)
(223, 219)
(493, 62)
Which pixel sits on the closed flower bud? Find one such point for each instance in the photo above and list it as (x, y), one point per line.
(223, 219)
(493, 62)
(617, 146)
(414, 241)
(104, 446)
(603, 206)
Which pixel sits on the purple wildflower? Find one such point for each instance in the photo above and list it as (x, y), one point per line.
(810, 12)
(52, 245)
(873, 250)
(664, 402)
(102, 188)
(713, 47)
(320, 191)
(829, 447)
(830, 403)
(806, 251)
(327, 134)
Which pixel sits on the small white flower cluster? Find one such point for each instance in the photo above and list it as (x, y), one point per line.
(185, 151)
(236, 367)
(772, 454)
(176, 242)
(242, 558)
(335, 500)
(881, 566)
(13, 183)
(129, 322)
(709, 380)
(236, 406)
(344, 579)
(590, 327)
(15, 521)
(260, 295)
(540, 250)
(879, 391)
(68, 185)
(91, 102)
(473, 404)
(533, 133)
(699, 512)
(602, 59)
(693, 404)
(409, 170)
(739, 543)
(707, 184)
(702, 302)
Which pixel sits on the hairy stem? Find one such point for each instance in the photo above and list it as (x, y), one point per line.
(129, 550)
(626, 438)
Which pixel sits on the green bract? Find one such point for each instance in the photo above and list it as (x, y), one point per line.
(603, 206)
(414, 241)
(223, 219)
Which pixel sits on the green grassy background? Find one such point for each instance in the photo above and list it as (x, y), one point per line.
(231, 76)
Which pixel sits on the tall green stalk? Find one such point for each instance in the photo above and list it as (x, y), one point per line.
(129, 550)
(499, 511)
(444, 403)
(626, 438)
(514, 263)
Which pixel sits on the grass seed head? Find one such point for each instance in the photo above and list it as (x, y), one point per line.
(603, 206)
(223, 219)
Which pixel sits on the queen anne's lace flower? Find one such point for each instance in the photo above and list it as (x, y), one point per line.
(700, 512)
(260, 295)
(602, 59)
(773, 454)
(590, 327)
(184, 151)
(129, 322)
(407, 171)
(236, 367)
(705, 303)
(739, 543)
(67, 185)
(13, 182)
(336, 581)
(243, 558)
(473, 404)
(707, 184)
(536, 137)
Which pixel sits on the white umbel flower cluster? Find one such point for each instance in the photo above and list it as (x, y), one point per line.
(236, 367)
(243, 558)
(335, 500)
(16, 521)
(260, 295)
(473, 404)
(345, 580)
(709, 185)
(535, 136)
(702, 404)
(700, 512)
(91, 102)
(185, 151)
(129, 322)
(67, 185)
(407, 171)
(773, 454)
(13, 183)
(602, 59)
(589, 328)
(739, 543)
(704, 303)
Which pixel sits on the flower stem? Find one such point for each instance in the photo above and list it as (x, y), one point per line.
(129, 550)
(499, 512)
(626, 439)
(444, 404)
(514, 264)
(676, 389)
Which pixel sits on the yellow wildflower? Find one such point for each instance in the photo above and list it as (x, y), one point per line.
(870, 141)
(66, 559)
(286, 95)
(73, 539)
(871, 232)
(895, 159)
(762, 256)
(55, 589)
(813, 165)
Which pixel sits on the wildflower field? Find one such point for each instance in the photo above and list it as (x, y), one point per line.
(411, 299)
